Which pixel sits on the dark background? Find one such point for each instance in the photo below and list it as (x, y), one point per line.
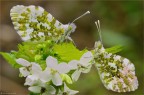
(121, 24)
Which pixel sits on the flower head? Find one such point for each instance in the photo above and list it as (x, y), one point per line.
(56, 69)
(67, 91)
(26, 66)
(83, 65)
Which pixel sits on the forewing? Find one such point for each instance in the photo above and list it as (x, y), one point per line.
(34, 23)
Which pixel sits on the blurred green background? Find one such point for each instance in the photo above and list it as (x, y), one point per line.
(122, 23)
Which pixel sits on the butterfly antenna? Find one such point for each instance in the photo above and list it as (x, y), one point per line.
(81, 16)
(99, 29)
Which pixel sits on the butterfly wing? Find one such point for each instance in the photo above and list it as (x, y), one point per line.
(34, 23)
(117, 73)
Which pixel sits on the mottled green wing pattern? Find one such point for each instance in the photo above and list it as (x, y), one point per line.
(117, 73)
(34, 23)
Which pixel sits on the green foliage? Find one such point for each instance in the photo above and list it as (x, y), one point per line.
(10, 58)
(31, 93)
(114, 49)
(35, 51)
(67, 51)
(31, 51)
(39, 51)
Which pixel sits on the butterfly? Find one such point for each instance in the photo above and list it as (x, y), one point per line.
(34, 23)
(116, 73)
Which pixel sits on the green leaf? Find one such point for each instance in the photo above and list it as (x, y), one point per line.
(67, 51)
(10, 58)
(34, 51)
(31, 93)
(114, 49)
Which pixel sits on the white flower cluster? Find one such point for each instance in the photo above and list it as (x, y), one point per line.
(50, 80)
(117, 73)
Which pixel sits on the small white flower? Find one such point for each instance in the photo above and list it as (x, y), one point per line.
(31, 80)
(23, 62)
(67, 91)
(35, 89)
(49, 90)
(37, 75)
(83, 65)
(24, 70)
(56, 69)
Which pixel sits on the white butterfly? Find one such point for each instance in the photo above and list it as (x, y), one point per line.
(117, 73)
(34, 23)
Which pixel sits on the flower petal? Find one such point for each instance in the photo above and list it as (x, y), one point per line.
(35, 89)
(36, 69)
(23, 62)
(56, 79)
(76, 75)
(51, 89)
(63, 68)
(30, 80)
(86, 58)
(73, 64)
(69, 91)
(24, 71)
(51, 62)
(45, 76)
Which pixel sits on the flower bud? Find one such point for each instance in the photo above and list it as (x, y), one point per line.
(66, 78)
(37, 57)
